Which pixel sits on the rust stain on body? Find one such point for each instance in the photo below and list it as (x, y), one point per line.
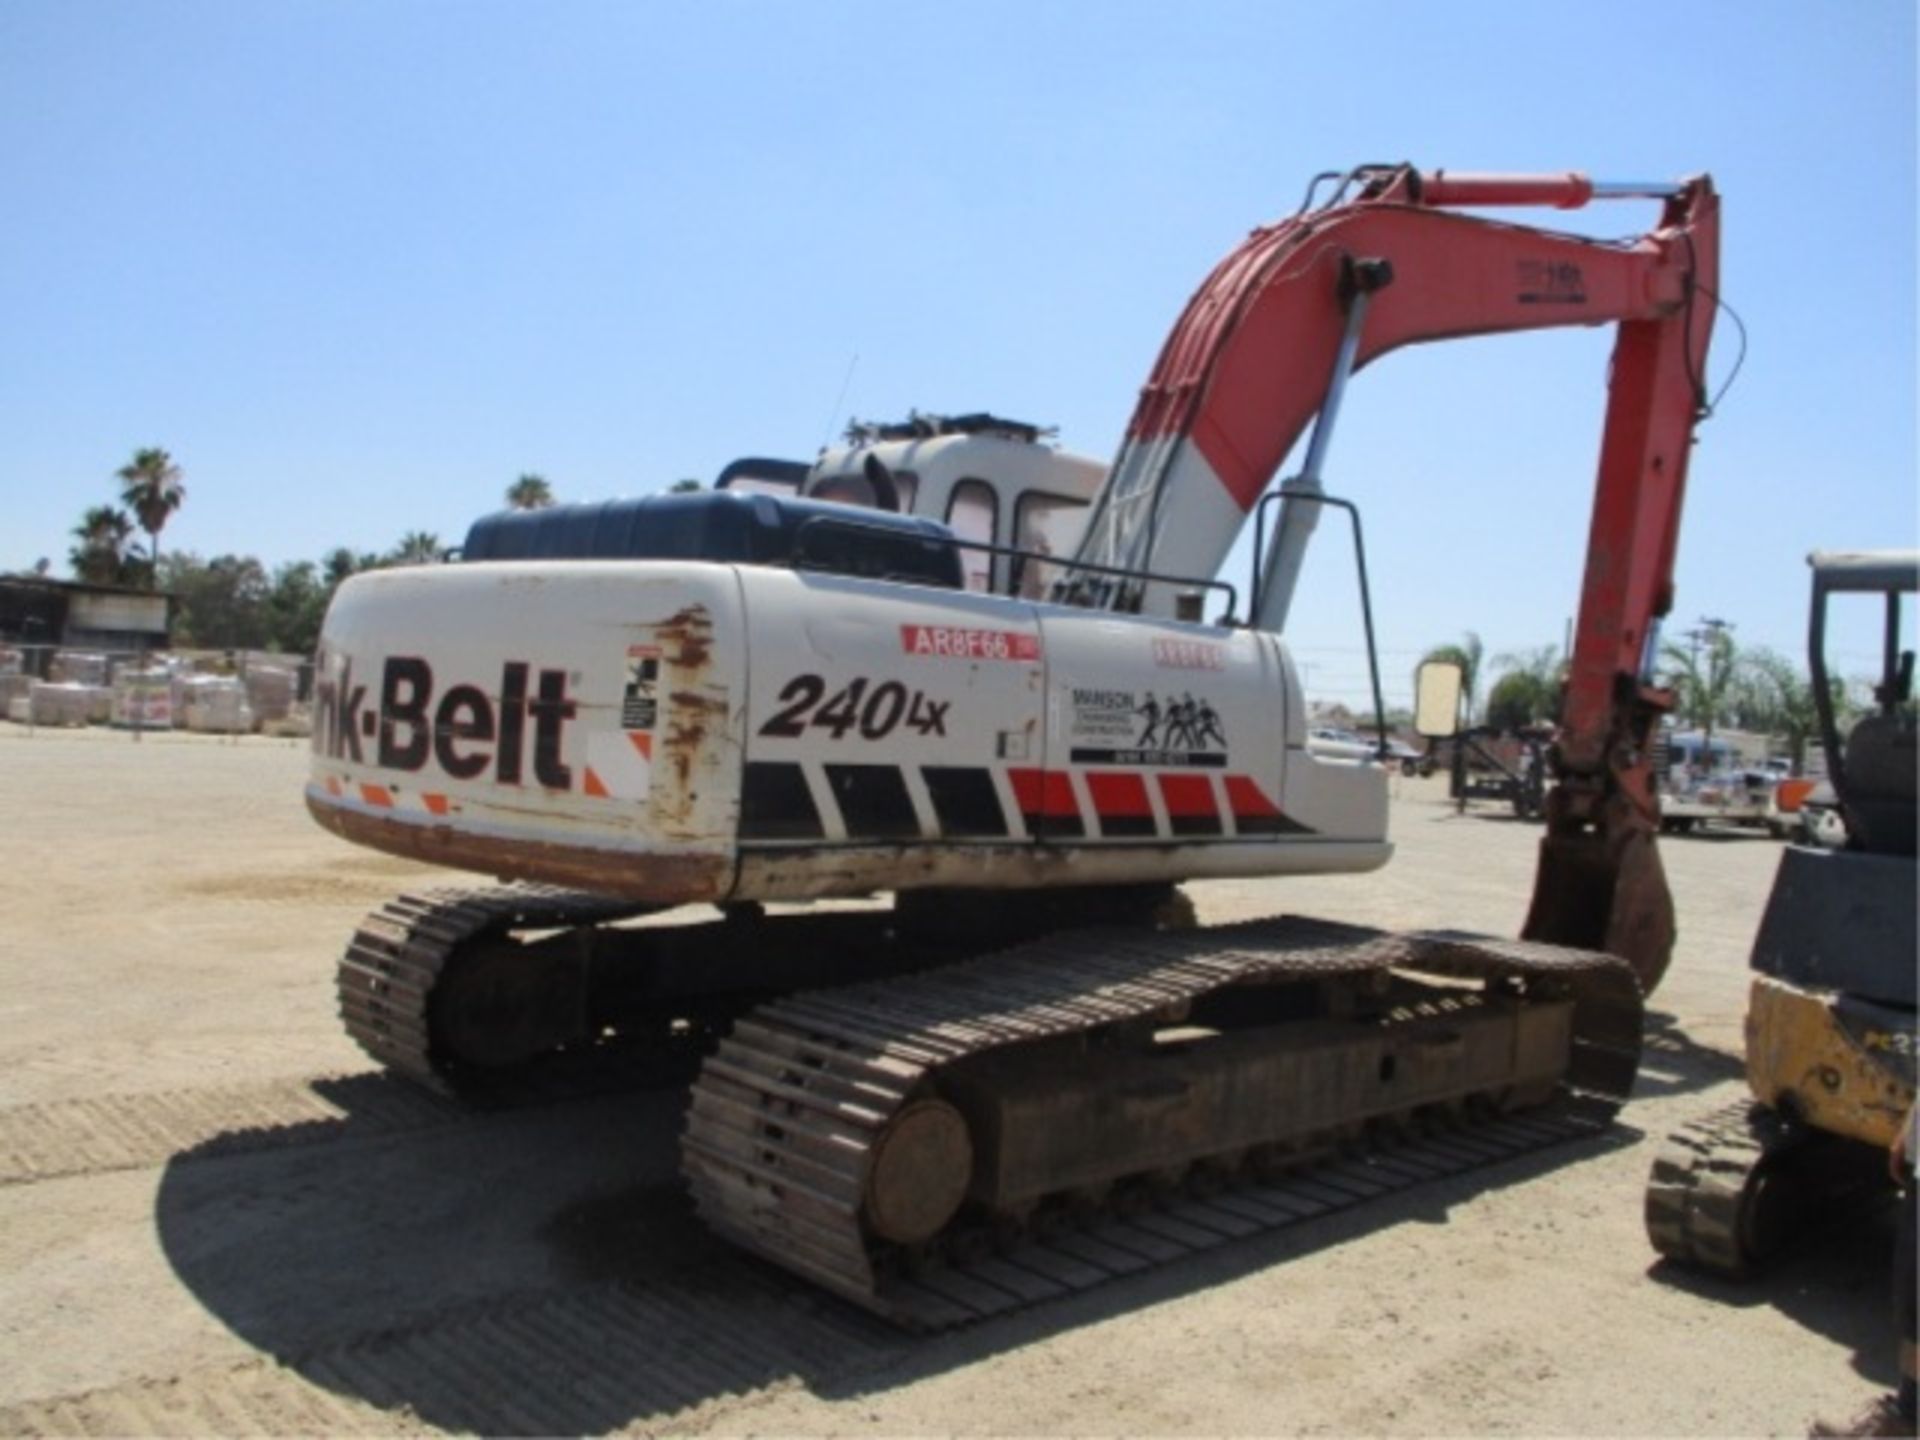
(694, 704)
(690, 631)
(660, 879)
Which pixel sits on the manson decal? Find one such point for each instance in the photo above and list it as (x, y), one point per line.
(1127, 727)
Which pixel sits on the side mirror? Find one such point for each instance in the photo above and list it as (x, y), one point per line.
(1436, 700)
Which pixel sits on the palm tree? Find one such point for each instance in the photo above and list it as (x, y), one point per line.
(1467, 655)
(339, 564)
(105, 533)
(1528, 690)
(151, 488)
(1771, 694)
(418, 547)
(1705, 679)
(530, 492)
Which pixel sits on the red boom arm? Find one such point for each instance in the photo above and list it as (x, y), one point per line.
(1248, 366)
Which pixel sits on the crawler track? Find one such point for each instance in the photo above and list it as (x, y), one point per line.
(396, 957)
(1700, 1193)
(1733, 1190)
(786, 1117)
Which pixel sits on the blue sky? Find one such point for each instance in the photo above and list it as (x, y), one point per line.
(359, 265)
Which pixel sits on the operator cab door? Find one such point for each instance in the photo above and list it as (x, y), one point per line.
(1159, 731)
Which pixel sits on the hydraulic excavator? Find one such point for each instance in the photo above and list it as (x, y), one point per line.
(1024, 1075)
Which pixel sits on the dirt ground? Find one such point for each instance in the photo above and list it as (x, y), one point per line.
(215, 1219)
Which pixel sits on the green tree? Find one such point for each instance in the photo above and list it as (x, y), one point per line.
(1528, 690)
(151, 489)
(221, 604)
(1772, 694)
(1467, 655)
(338, 564)
(1704, 679)
(418, 547)
(530, 492)
(296, 604)
(103, 552)
(682, 487)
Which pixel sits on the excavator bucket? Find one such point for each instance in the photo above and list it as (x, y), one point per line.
(1597, 891)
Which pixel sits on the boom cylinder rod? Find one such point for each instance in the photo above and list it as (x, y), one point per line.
(1281, 570)
(1562, 192)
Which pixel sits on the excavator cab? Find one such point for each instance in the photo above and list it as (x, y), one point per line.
(1872, 770)
(1011, 498)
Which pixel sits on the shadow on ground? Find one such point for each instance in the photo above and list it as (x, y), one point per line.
(1673, 1063)
(1836, 1281)
(540, 1271)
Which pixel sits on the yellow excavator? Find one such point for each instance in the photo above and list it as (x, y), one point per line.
(1830, 1033)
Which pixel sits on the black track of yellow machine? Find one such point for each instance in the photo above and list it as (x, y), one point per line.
(959, 1142)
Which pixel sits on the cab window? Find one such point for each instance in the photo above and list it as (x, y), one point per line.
(1046, 525)
(973, 511)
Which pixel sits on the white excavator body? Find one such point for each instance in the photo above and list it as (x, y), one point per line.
(678, 731)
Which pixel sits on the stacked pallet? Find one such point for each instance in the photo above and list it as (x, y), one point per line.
(143, 699)
(269, 692)
(60, 703)
(78, 667)
(217, 705)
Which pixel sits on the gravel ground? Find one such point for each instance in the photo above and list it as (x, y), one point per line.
(214, 1219)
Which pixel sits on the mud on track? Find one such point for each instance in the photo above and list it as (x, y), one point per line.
(212, 1220)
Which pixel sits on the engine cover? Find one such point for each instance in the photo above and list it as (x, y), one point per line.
(676, 731)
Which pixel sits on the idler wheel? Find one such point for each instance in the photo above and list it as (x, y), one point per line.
(921, 1166)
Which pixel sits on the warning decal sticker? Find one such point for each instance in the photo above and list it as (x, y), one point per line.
(640, 705)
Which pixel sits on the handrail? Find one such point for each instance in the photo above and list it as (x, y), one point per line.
(836, 522)
(1366, 589)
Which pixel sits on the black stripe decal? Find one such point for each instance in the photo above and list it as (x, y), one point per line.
(1195, 824)
(874, 802)
(775, 804)
(1270, 825)
(1055, 827)
(964, 801)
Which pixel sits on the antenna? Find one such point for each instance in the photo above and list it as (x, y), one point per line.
(839, 400)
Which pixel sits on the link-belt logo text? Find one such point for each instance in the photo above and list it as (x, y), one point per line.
(466, 732)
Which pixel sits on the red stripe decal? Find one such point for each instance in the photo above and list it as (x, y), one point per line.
(1118, 795)
(436, 804)
(1046, 800)
(376, 795)
(593, 786)
(1027, 788)
(1044, 792)
(1190, 804)
(1188, 795)
(1247, 800)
